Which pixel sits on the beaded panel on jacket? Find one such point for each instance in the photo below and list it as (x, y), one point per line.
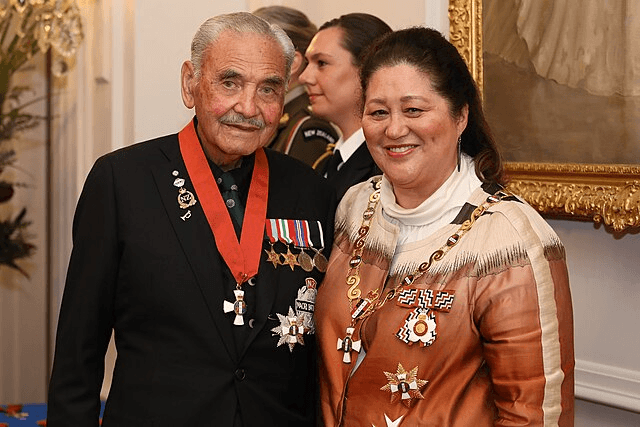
(495, 243)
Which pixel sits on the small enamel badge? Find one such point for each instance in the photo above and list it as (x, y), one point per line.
(186, 199)
(291, 329)
(347, 345)
(239, 307)
(404, 385)
(419, 326)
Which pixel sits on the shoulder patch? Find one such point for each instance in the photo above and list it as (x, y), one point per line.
(316, 128)
(315, 132)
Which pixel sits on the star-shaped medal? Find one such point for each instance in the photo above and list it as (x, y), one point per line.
(273, 257)
(290, 330)
(289, 259)
(404, 385)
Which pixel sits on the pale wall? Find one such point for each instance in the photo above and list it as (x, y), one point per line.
(163, 33)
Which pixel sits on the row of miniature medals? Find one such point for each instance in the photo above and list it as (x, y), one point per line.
(296, 232)
(420, 325)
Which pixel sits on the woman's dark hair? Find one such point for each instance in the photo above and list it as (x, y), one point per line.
(428, 51)
(360, 30)
(295, 23)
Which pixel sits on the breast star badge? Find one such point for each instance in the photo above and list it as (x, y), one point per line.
(291, 329)
(404, 385)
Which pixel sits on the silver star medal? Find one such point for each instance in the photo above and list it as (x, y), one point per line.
(291, 329)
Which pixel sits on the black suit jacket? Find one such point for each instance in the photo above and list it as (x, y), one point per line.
(358, 168)
(144, 268)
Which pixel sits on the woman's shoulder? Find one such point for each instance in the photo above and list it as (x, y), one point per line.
(513, 219)
(357, 197)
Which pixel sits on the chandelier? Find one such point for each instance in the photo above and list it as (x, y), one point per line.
(37, 26)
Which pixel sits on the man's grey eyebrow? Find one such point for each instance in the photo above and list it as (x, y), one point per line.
(230, 74)
(274, 80)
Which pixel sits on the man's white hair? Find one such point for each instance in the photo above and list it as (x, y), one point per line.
(240, 22)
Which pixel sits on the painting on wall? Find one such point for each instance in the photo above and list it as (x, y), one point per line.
(562, 80)
(561, 90)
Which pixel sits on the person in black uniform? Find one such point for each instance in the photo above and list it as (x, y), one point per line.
(202, 252)
(301, 134)
(333, 85)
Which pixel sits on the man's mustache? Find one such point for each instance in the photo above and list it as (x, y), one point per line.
(237, 119)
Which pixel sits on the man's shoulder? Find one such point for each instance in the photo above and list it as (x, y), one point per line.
(144, 148)
(283, 164)
(291, 170)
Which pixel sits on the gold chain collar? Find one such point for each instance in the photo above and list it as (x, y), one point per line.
(368, 305)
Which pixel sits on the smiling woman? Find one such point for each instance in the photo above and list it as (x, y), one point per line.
(456, 309)
(409, 129)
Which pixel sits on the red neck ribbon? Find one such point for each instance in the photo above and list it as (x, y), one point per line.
(242, 258)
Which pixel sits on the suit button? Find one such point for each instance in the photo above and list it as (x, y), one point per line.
(240, 374)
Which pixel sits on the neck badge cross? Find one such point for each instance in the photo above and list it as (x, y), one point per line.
(348, 344)
(239, 307)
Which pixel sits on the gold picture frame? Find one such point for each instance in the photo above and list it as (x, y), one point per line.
(602, 193)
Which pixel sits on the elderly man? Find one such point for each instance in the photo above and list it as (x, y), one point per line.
(202, 252)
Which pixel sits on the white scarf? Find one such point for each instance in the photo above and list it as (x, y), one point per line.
(437, 210)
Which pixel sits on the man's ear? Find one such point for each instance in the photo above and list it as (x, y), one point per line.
(188, 80)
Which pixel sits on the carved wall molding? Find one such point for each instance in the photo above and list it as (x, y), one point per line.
(602, 193)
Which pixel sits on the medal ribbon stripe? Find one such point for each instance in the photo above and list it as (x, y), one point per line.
(407, 297)
(272, 230)
(307, 232)
(444, 300)
(242, 257)
(284, 232)
(321, 235)
(424, 298)
(293, 232)
(301, 238)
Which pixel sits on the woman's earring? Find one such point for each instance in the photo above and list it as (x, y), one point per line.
(459, 150)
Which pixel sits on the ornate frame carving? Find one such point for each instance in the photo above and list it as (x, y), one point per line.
(603, 193)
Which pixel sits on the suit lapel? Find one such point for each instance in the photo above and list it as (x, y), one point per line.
(195, 237)
(358, 167)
